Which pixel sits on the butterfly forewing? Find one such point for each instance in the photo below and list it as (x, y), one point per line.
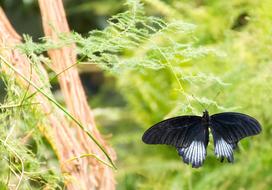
(176, 131)
(232, 126)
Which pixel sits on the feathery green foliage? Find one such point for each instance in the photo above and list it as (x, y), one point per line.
(163, 70)
(23, 151)
(114, 50)
(244, 69)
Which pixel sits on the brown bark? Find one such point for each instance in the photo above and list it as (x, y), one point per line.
(68, 142)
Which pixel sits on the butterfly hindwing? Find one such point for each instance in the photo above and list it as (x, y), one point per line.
(195, 153)
(233, 126)
(176, 131)
(223, 149)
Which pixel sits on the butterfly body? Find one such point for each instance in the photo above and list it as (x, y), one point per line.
(206, 118)
(190, 134)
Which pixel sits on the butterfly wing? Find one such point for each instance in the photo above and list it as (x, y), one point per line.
(223, 149)
(228, 129)
(186, 133)
(233, 126)
(195, 153)
(176, 131)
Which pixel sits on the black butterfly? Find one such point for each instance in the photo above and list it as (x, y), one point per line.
(190, 134)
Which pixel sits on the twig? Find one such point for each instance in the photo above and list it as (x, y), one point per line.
(17, 105)
(89, 155)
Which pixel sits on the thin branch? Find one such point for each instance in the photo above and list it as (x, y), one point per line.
(58, 74)
(28, 86)
(89, 155)
(17, 105)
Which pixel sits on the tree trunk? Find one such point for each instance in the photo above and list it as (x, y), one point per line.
(67, 140)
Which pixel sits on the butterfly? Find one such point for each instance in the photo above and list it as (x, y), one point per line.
(190, 134)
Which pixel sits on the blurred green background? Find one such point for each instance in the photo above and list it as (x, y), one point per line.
(126, 105)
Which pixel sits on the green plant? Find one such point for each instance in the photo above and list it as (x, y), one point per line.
(163, 70)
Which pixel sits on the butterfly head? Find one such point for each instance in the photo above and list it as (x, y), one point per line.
(206, 115)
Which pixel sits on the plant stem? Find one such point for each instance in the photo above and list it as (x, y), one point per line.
(62, 108)
(87, 155)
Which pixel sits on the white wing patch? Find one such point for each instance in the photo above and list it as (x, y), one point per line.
(194, 154)
(222, 149)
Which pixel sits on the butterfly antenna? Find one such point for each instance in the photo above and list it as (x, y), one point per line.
(202, 105)
(214, 98)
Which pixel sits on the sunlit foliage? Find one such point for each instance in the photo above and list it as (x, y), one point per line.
(166, 66)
